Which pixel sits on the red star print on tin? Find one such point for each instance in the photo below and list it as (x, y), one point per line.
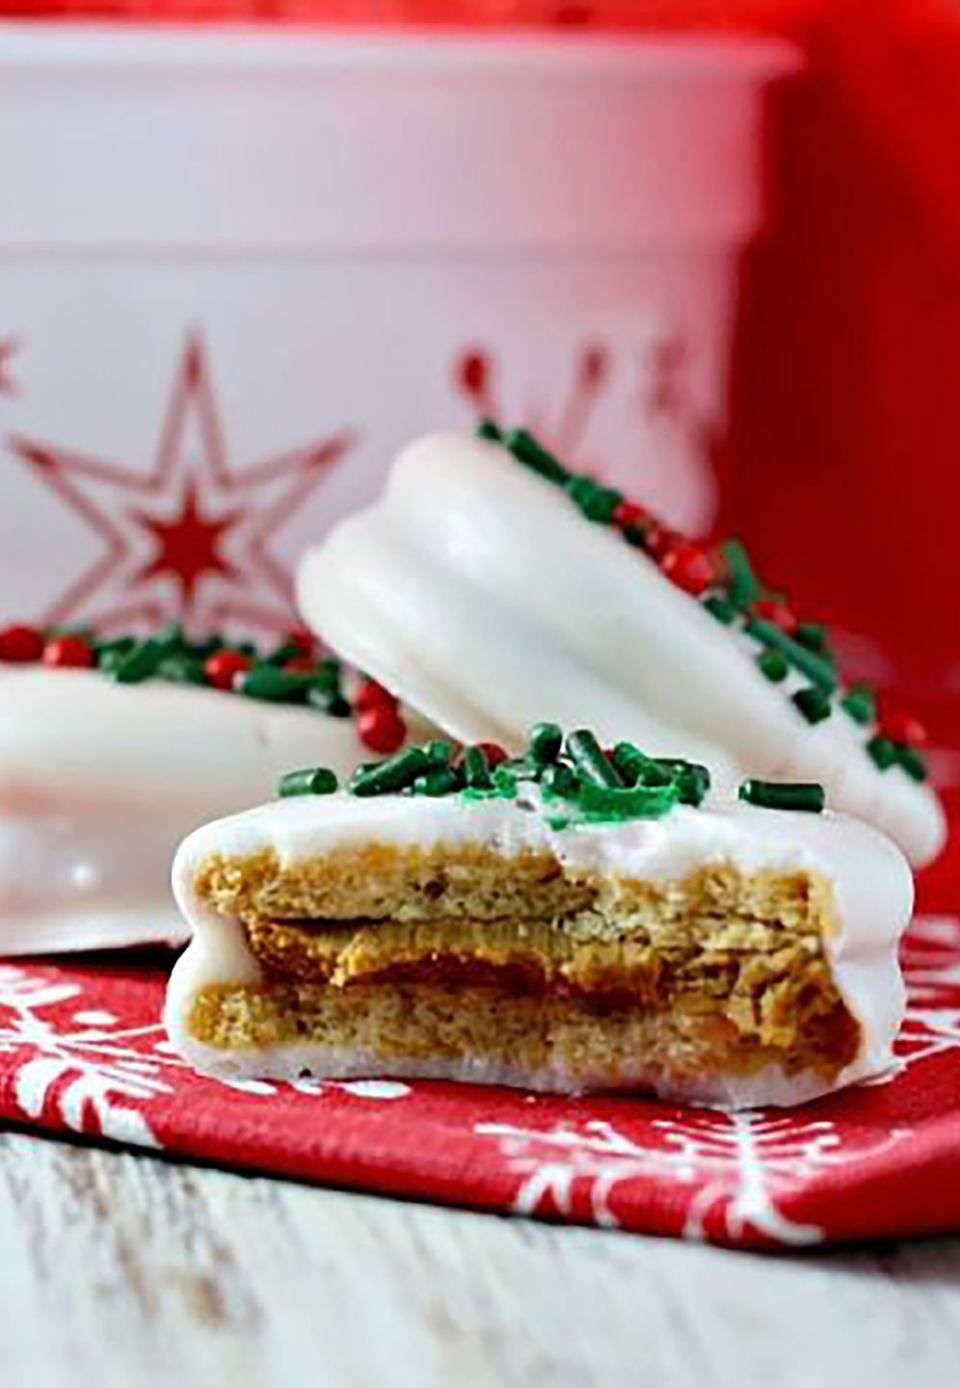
(474, 372)
(190, 539)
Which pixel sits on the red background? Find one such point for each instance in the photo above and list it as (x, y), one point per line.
(847, 375)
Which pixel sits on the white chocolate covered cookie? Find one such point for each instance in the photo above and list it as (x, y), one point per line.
(562, 930)
(487, 593)
(100, 780)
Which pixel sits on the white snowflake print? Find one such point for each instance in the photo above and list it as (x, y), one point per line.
(931, 966)
(753, 1159)
(86, 1069)
(593, 1157)
(379, 1090)
(737, 1165)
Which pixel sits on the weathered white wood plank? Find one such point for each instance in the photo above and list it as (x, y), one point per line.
(124, 1270)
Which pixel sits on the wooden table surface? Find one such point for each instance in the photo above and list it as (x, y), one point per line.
(121, 1269)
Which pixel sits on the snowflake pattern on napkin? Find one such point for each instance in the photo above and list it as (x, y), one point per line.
(82, 1051)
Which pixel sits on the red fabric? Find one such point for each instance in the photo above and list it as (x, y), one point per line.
(82, 1051)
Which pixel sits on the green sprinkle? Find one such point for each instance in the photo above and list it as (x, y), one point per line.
(181, 669)
(115, 643)
(910, 760)
(476, 769)
(630, 762)
(365, 766)
(882, 752)
(289, 650)
(110, 654)
(171, 637)
(274, 686)
(504, 782)
(545, 743)
(526, 450)
(328, 701)
(439, 780)
(595, 501)
(812, 635)
(812, 703)
(585, 752)
(773, 665)
(327, 674)
(721, 609)
(690, 778)
(860, 703)
(605, 502)
(784, 795)
(141, 662)
(693, 783)
(743, 586)
(488, 429)
(600, 802)
(313, 780)
(394, 774)
(561, 781)
(439, 751)
(245, 648)
(817, 669)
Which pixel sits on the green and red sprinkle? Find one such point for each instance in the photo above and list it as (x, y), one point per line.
(724, 581)
(578, 780)
(222, 668)
(292, 672)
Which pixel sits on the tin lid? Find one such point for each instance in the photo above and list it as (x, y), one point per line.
(298, 142)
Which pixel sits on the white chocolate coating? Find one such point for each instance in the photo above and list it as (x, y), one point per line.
(871, 881)
(478, 593)
(100, 781)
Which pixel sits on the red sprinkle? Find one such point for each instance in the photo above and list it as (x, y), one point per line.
(300, 665)
(371, 695)
(223, 668)
(68, 652)
(628, 513)
(688, 566)
(381, 729)
(303, 639)
(771, 610)
(20, 644)
(658, 539)
(902, 727)
(493, 752)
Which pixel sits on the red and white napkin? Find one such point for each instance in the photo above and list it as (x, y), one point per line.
(82, 1050)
